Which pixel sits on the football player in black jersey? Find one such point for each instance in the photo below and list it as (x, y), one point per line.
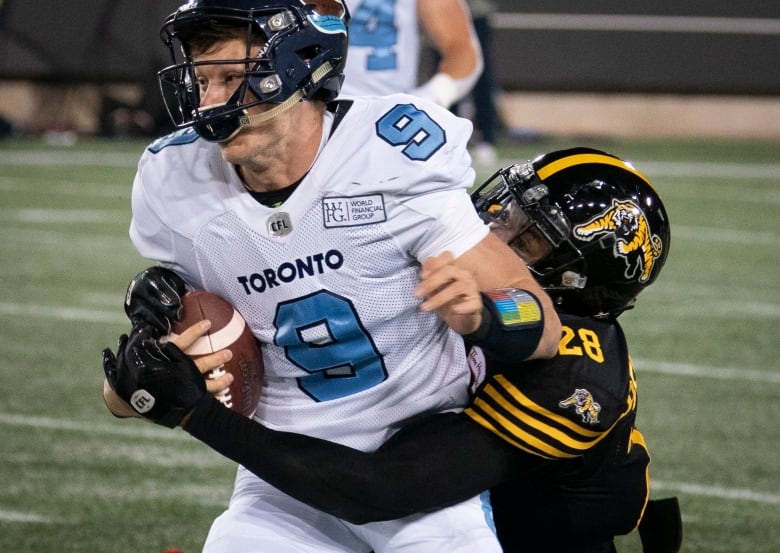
(554, 441)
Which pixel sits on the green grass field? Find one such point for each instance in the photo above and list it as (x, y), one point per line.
(73, 479)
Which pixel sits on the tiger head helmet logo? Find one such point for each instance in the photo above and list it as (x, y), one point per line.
(633, 240)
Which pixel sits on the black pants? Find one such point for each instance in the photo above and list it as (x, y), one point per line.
(574, 513)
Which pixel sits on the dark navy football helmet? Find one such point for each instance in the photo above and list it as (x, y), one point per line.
(302, 56)
(590, 227)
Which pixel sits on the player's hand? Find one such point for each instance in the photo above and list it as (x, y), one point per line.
(205, 363)
(122, 409)
(157, 379)
(153, 299)
(450, 291)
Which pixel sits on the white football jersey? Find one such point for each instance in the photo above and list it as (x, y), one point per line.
(325, 280)
(384, 48)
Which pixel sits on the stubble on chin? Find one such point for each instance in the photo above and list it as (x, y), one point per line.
(237, 151)
(248, 148)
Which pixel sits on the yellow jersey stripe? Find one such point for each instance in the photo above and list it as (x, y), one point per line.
(525, 437)
(637, 438)
(508, 427)
(482, 421)
(552, 435)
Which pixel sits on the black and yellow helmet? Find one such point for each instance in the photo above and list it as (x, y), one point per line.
(590, 226)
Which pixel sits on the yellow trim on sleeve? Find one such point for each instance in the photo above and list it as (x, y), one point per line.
(482, 421)
(525, 437)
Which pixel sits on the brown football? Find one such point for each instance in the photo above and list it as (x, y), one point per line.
(228, 331)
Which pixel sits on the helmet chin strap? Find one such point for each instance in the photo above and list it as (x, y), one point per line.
(244, 120)
(224, 123)
(247, 120)
(257, 118)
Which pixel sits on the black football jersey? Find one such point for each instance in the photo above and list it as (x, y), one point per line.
(561, 408)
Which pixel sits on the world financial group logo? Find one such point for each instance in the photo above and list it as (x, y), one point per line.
(350, 211)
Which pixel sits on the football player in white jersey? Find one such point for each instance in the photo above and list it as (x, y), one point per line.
(563, 468)
(333, 227)
(385, 42)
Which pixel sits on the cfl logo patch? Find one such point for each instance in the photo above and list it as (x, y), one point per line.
(142, 401)
(279, 224)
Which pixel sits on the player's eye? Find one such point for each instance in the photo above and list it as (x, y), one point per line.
(233, 78)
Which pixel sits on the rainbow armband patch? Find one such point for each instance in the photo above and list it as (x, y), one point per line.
(514, 307)
(511, 327)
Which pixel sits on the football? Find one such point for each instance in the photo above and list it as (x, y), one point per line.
(228, 331)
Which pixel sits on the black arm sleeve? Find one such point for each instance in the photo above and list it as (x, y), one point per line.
(435, 462)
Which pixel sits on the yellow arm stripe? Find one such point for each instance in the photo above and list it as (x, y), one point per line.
(637, 438)
(507, 427)
(581, 159)
(532, 441)
(632, 389)
(550, 433)
(482, 421)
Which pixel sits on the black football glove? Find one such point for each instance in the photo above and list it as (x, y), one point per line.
(158, 380)
(154, 299)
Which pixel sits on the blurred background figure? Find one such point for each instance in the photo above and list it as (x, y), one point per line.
(142, 115)
(483, 95)
(385, 47)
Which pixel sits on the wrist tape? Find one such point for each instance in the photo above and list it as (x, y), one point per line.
(444, 90)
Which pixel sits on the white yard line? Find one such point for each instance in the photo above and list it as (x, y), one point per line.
(16, 516)
(80, 216)
(130, 429)
(83, 240)
(68, 158)
(722, 192)
(71, 188)
(705, 371)
(701, 169)
(701, 303)
(725, 235)
(62, 313)
(137, 429)
(718, 492)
